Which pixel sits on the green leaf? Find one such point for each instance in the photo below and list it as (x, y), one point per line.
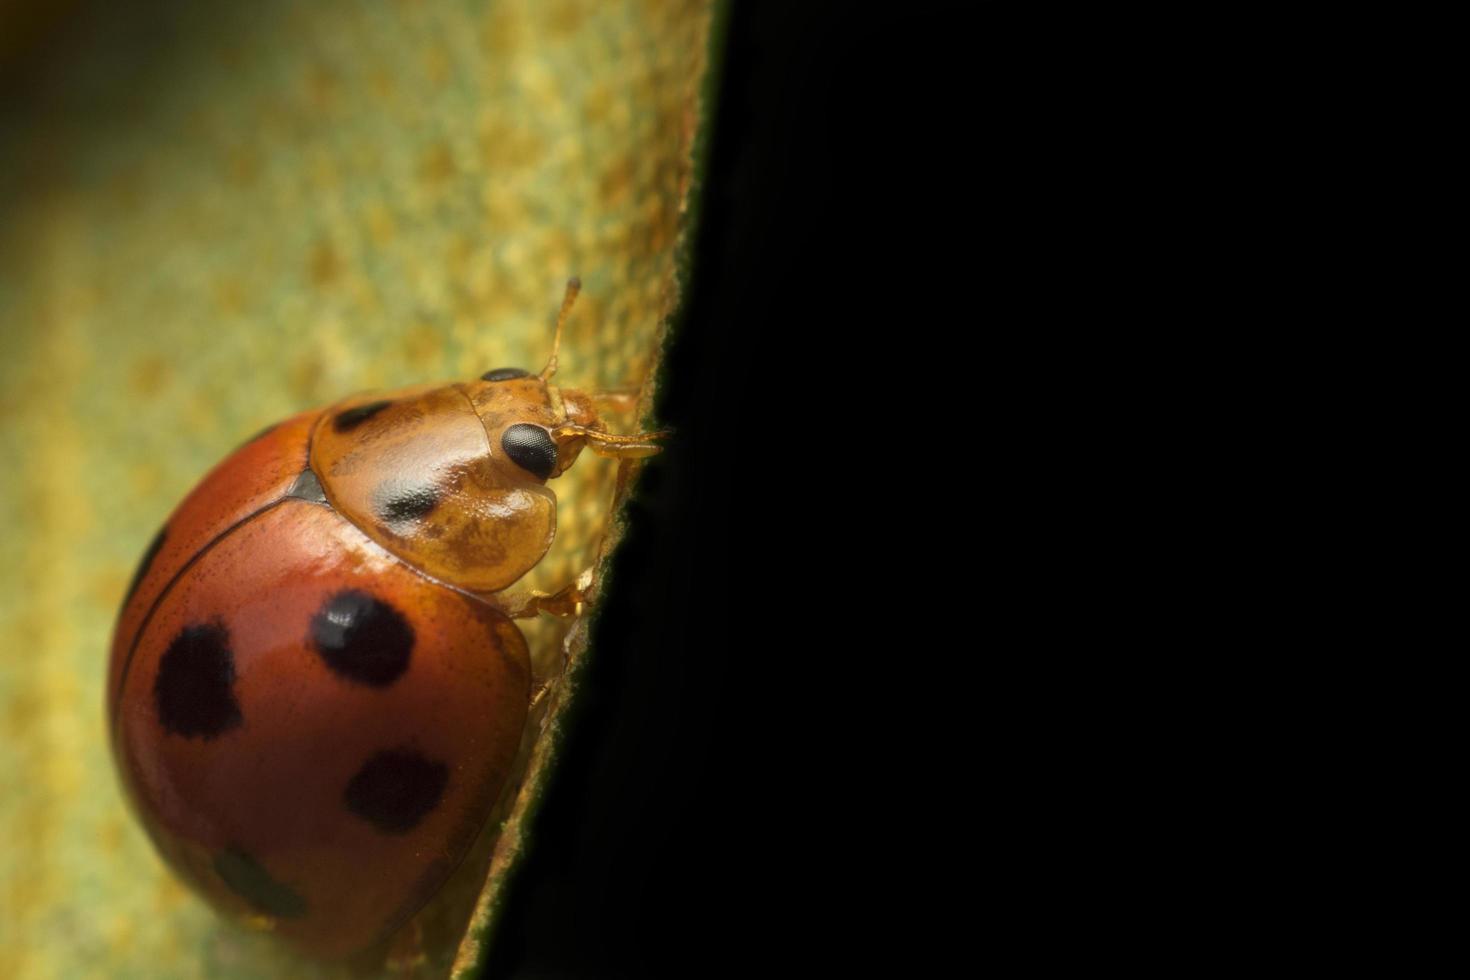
(219, 215)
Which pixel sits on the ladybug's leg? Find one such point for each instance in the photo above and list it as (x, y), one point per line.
(543, 689)
(406, 956)
(635, 446)
(566, 601)
(622, 399)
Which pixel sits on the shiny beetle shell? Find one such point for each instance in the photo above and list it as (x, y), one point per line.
(316, 689)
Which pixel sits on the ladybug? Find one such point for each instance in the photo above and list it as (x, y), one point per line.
(317, 688)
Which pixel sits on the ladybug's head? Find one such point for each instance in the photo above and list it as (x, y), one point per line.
(541, 428)
(453, 478)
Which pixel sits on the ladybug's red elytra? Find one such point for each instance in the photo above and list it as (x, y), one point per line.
(317, 689)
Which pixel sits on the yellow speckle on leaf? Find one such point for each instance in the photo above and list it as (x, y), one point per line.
(503, 31)
(305, 376)
(244, 167)
(438, 164)
(321, 87)
(421, 346)
(380, 223)
(229, 295)
(107, 586)
(563, 17)
(324, 265)
(616, 185)
(150, 375)
(436, 65)
(144, 479)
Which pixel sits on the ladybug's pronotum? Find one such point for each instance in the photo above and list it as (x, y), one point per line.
(317, 689)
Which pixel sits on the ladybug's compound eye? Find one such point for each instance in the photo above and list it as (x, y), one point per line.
(503, 374)
(530, 447)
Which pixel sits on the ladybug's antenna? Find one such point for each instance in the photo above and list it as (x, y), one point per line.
(574, 286)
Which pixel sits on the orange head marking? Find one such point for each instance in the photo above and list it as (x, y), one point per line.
(540, 427)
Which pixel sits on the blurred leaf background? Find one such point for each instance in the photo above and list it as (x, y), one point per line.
(212, 216)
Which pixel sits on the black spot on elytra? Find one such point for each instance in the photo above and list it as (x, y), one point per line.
(503, 374)
(353, 417)
(362, 638)
(308, 487)
(395, 789)
(154, 547)
(531, 448)
(195, 687)
(398, 503)
(246, 878)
